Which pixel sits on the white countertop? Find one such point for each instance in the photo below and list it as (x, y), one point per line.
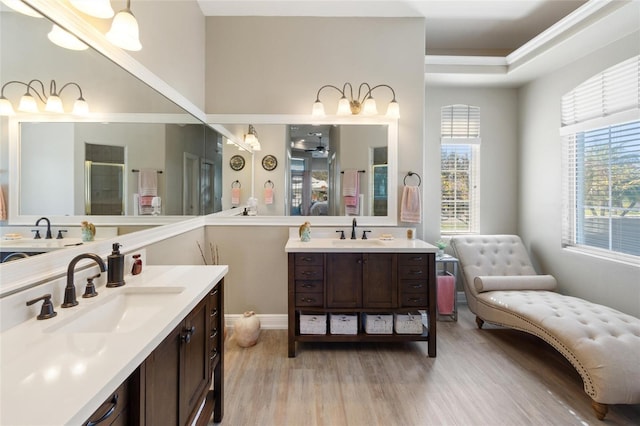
(371, 245)
(54, 378)
(30, 245)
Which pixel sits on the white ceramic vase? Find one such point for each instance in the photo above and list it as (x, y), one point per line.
(247, 329)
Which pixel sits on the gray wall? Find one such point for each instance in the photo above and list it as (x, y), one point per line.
(599, 280)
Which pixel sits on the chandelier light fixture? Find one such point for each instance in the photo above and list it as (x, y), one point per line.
(96, 8)
(52, 102)
(21, 7)
(65, 39)
(363, 103)
(251, 138)
(124, 31)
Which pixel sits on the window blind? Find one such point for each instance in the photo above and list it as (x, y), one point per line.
(460, 124)
(601, 163)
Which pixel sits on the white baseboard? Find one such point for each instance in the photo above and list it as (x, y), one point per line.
(267, 321)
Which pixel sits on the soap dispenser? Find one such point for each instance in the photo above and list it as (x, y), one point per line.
(115, 267)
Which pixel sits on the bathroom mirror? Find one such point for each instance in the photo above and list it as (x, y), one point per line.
(312, 156)
(190, 156)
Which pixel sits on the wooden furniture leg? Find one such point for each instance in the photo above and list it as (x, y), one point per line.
(480, 322)
(600, 409)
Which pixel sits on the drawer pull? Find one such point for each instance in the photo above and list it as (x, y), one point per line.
(187, 333)
(306, 259)
(307, 300)
(114, 404)
(308, 272)
(214, 292)
(213, 334)
(214, 312)
(214, 354)
(417, 258)
(414, 272)
(415, 299)
(308, 285)
(416, 286)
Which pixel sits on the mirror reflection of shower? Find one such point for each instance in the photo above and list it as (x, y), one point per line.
(104, 180)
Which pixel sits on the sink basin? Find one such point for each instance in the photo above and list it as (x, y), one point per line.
(121, 312)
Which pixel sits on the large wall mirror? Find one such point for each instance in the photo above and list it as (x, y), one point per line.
(69, 168)
(308, 167)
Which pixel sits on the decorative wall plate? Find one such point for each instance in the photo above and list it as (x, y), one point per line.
(237, 162)
(269, 162)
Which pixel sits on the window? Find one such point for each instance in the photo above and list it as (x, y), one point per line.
(601, 163)
(460, 169)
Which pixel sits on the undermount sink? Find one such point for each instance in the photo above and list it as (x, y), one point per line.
(121, 312)
(358, 242)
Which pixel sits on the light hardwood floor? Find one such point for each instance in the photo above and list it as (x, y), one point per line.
(493, 376)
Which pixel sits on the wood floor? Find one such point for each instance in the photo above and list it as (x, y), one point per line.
(492, 376)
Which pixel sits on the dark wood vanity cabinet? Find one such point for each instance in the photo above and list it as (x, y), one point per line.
(183, 371)
(360, 283)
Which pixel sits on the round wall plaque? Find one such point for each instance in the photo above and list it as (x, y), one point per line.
(237, 162)
(269, 162)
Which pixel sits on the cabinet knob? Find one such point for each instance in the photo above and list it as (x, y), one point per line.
(187, 333)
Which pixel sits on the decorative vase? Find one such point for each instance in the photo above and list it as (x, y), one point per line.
(247, 329)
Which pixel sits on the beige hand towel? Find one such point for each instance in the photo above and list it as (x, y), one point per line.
(411, 208)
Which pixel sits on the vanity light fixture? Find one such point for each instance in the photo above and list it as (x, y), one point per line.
(65, 39)
(95, 8)
(363, 103)
(21, 7)
(251, 138)
(124, 31)
(53, 103)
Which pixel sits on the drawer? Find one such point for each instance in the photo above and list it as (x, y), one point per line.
(310, 299)
(309, 286)
(412, 258)
(414, 299)
(111, 409)
(309, 272)
(413, 272)
(414, 286)
(309, 259)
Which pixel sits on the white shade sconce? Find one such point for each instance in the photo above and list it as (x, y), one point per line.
(363, 103)
(21, 7)
(53, 102)
(96, 8)
(251, 138)
(65, 39)
(124, 31)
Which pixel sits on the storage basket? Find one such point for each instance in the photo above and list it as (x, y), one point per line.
(313, 323)
(378, 323)
(344, 323)
(410, 323)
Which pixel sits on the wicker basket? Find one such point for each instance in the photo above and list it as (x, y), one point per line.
(378, 323)
(313, 324)
(344, 323)
(410, 323)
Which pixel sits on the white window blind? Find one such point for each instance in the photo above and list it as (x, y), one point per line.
(601, 163)
(460, 169)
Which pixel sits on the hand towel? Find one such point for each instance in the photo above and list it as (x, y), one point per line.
(148, 182)
(146, 204)
(268, 195)
(446, 294)
(3, 206)
(351, 192)
(235, 196)
(410, 208)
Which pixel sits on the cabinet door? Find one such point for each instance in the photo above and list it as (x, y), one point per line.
(195, 366)
(162, 382)
(344, 280)
(380, 280)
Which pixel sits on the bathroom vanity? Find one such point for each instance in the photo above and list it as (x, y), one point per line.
(150, 352)
(357, 279)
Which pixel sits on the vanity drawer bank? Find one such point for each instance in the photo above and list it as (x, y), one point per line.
(329, 277)
(113, 349)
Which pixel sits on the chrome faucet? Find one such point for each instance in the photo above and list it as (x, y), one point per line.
(48, 237)
(70, 290)
(353, 229)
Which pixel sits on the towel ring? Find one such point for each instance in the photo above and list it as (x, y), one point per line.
(268, 182)
(412, 174)
(236, 182)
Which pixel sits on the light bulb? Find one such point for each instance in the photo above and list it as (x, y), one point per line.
(344, 107)
(393, 110)
(27, 103)
(97, 8)
(370, 107)
(318, 109)
(65, 39)
(5, 107)
(54, 104)
(124, 31)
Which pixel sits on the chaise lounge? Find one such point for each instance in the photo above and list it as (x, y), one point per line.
(503, 288)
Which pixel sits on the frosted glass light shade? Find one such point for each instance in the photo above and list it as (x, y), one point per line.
(318, 109)
(97, 8)
(27, 104)
(18, 6)
(257, 147)
(80, 107)
(250, 139)
(370, 107)
(344, 108)
(5, 107)
(124, 31)
(393, 110)
(54, 104)
(65, 39)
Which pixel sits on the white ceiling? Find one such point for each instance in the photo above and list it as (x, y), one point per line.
(452, 27)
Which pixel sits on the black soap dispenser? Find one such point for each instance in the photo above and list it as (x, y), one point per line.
(115, 267)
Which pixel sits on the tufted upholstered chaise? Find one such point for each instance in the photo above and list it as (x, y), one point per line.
(502, 287)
